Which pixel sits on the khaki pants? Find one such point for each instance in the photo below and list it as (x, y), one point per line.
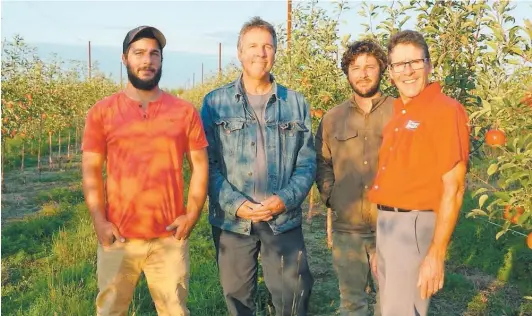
(351, 263)
(165, 263)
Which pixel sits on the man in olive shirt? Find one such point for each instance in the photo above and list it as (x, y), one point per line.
(347, 145)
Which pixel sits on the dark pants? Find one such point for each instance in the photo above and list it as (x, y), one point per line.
(284, 262)
(351, 263)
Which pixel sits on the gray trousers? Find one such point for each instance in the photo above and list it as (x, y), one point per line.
(351, 263)
(403, 239)
(284, 263)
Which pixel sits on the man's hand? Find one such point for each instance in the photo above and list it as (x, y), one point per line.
(254, 212)
(373, 265)
(183, 225)
(431, 274)
(107, 233)
(432, 269)
(274, 204)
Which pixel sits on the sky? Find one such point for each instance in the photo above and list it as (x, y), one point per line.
(192, 27)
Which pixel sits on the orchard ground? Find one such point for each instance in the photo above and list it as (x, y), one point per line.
(49, 256)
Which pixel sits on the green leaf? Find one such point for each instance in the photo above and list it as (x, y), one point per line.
(493, 203)
(516, 176)
(482, 200)
(486, 105)
(492, 169)
(431, 29)
(499, 234)
(477, 192)
(507, 165)
(517, 50)
(523, 218)
(516, 140)
(514, 61)
(476, 212)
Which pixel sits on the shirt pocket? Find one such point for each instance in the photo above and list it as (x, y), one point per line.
(346, 144)
(345, 135)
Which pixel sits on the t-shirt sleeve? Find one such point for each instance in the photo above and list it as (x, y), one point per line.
(196, 134)
(94, 139)
(453, 137)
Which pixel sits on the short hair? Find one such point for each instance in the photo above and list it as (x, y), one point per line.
(257, 23)
(408, 37)
(358, 48)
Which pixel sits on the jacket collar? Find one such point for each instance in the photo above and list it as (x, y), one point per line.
(239, 89)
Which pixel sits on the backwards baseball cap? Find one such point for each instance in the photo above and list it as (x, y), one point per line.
(143, 32)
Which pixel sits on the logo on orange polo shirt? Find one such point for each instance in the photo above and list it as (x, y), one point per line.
(411, 125)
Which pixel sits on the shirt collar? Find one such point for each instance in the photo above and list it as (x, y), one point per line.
(375, 103)
(430, 91)
(239, 91)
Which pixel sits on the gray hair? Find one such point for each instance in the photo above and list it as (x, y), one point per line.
(408, 37)
(257, 23)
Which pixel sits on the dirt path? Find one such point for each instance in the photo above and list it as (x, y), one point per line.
(23, 191)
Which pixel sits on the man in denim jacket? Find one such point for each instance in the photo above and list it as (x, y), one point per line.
(262, 164)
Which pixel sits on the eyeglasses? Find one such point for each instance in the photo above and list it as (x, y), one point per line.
(416, 64)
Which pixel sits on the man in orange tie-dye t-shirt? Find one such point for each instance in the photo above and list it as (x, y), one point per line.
(139, 215)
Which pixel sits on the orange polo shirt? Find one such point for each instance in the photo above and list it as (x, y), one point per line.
(145, 152)
(424, 140)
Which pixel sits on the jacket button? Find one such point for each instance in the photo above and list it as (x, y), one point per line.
(250, 174)
(246, 230)
(252, 143)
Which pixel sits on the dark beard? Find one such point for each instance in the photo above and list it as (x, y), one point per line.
(371, 92)
(145, 85)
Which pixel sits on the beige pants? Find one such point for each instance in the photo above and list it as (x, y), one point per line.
(165, 263)
(403, 240)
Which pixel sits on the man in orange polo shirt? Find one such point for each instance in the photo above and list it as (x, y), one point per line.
(139, 215)
(420, 181)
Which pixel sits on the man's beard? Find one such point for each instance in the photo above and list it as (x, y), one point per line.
(145, 85)
(372, 90)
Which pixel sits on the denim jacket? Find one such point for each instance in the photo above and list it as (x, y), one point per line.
(232, 132)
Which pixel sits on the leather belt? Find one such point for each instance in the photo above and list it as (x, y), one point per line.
(396, 209)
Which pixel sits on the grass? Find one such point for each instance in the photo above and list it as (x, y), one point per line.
(49, 256)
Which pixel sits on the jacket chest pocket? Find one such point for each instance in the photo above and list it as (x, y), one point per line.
(231, 135)
(291, 137)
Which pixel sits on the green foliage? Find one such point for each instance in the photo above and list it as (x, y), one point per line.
(479, 54)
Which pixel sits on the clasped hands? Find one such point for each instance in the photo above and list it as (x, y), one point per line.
(263, 211)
